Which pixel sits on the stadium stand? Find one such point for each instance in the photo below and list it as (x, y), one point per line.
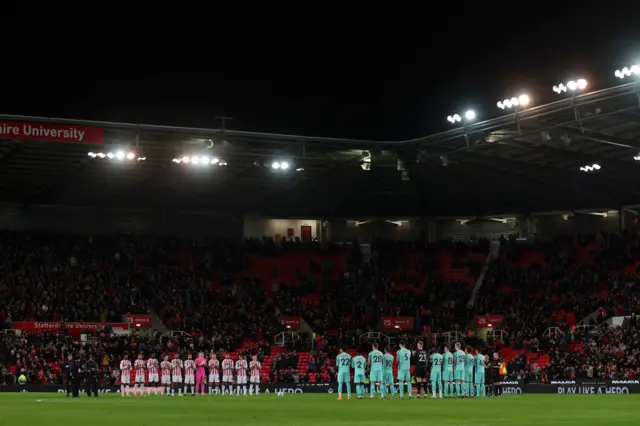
(228, 297)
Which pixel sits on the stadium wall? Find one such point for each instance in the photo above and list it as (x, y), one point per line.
(568, 387)
(367, 231)
(460, 230)
(108, 221)
(565, 224)
(258, 227)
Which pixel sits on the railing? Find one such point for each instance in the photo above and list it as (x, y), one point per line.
(451, 337)
(285, 336)
(553, 332)
(374, 335)
(175, 333)
(429, 339)
(497, 334)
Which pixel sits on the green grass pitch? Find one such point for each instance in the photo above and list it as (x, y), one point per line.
(51, 409)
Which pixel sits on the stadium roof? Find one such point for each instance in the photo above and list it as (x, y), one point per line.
(521, 162)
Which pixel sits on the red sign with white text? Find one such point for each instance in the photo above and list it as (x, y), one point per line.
(290, 322)
(139, 320)
(484, 321)
(400, 323)
(51, 132)
(74, 328)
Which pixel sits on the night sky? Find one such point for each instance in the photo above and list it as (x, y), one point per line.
(381, 80)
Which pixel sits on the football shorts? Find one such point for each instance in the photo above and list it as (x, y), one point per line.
(404, 375)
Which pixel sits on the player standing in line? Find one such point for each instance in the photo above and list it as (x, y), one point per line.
(125, 375)
(375, 372)
(403, 356)
(436, 373)
(201, 375)
(241, 374)
(468, 377)
(227, 373)
(343, 362)
(165, 367)
(214, 374)
(421, 360)
(447, 372)
(176, 375)
(387, 373)
(138, 367)
(254, 380)
(479, 377)
(459, 372)
(190, 374)
(359, 364)
(152, 367)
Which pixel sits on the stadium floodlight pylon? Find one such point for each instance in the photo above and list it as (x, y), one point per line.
(514, 102)
(628, 71)
(571, 85)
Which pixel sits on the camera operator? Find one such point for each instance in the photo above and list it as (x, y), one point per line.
(90, 369)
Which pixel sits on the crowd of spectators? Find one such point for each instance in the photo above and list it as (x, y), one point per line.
(208, 290)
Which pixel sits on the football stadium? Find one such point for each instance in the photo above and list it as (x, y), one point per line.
(485, 275)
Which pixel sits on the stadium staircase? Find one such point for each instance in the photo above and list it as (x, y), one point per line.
(493, 254)
(157, 323)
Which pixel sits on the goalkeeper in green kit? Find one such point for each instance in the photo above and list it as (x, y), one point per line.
(343, 361)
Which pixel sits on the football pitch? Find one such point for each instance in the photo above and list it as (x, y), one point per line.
(51, 409)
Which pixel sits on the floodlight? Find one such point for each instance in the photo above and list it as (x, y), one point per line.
(514, 102)
(628, 71)
(590, 168)
(469, 115)
(572, 85)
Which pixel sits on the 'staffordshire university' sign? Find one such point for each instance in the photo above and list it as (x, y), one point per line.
(52, 132)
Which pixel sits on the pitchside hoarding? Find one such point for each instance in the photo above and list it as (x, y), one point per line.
(603, 387)
(73, 328)
(52, 132)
